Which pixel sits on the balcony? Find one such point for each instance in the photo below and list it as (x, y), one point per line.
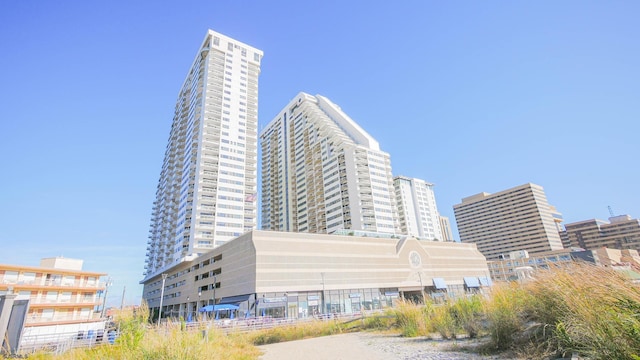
(35, 318)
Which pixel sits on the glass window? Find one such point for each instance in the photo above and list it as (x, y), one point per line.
(65, 296)
(52, 296)
(47, 313)
(28, 277)
(10, 277)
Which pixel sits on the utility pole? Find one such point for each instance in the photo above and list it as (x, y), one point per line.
(104, 300)
(122, 302)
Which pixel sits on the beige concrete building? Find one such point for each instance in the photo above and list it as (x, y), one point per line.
(284, 274)
(63, 299)
(519, 218)
(621, 232)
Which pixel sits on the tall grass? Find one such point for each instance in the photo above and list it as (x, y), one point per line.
(411, 319)
(504, 310)
(139, 340)
(593, 311)
(584, 309)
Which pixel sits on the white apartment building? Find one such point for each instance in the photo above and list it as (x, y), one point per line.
(417, 208)
(322, 172)
(515, 219)
(206, 194)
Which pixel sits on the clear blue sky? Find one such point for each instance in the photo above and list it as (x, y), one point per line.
(470, 95)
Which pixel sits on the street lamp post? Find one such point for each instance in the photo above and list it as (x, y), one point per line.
(164, 278)
(215, 285)
(213, 308)
(424, 301)
(198, 304)
(323, 305)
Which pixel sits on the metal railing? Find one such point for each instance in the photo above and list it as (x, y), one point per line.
(61, 342)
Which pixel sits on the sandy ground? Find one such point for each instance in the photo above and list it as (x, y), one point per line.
(344, 346)
(376, 346)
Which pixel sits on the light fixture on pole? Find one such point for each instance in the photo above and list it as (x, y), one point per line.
(164, 278)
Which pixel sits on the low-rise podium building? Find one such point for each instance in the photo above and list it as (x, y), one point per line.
(295, 275)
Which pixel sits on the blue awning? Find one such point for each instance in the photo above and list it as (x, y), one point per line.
(485, 281)
(471, 282)
(235, 299)
(218, 307)
(439, 283)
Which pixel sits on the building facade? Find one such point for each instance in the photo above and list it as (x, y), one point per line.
(417, 210)
(207, 191)
(294, 275)
(445, 226)
(519, 218)
(63, 299)
(521, 266)
(322, 172)
(621, 232)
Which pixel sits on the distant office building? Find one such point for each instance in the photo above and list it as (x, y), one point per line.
(515, 219)
(207, 190)
(298, 275)
(322, 172)
(63, 299)
(417, 208)
(519, 265)
(445, 226)
(621, 232)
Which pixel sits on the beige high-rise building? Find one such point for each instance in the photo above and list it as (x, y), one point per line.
(519, 218)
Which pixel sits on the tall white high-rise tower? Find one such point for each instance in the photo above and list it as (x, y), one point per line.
(417, 208)
(321, 172)
(206, 194)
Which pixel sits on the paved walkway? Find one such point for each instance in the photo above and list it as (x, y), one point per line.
(338, 347)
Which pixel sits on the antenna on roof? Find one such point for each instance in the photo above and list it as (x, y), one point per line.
(610, 211)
